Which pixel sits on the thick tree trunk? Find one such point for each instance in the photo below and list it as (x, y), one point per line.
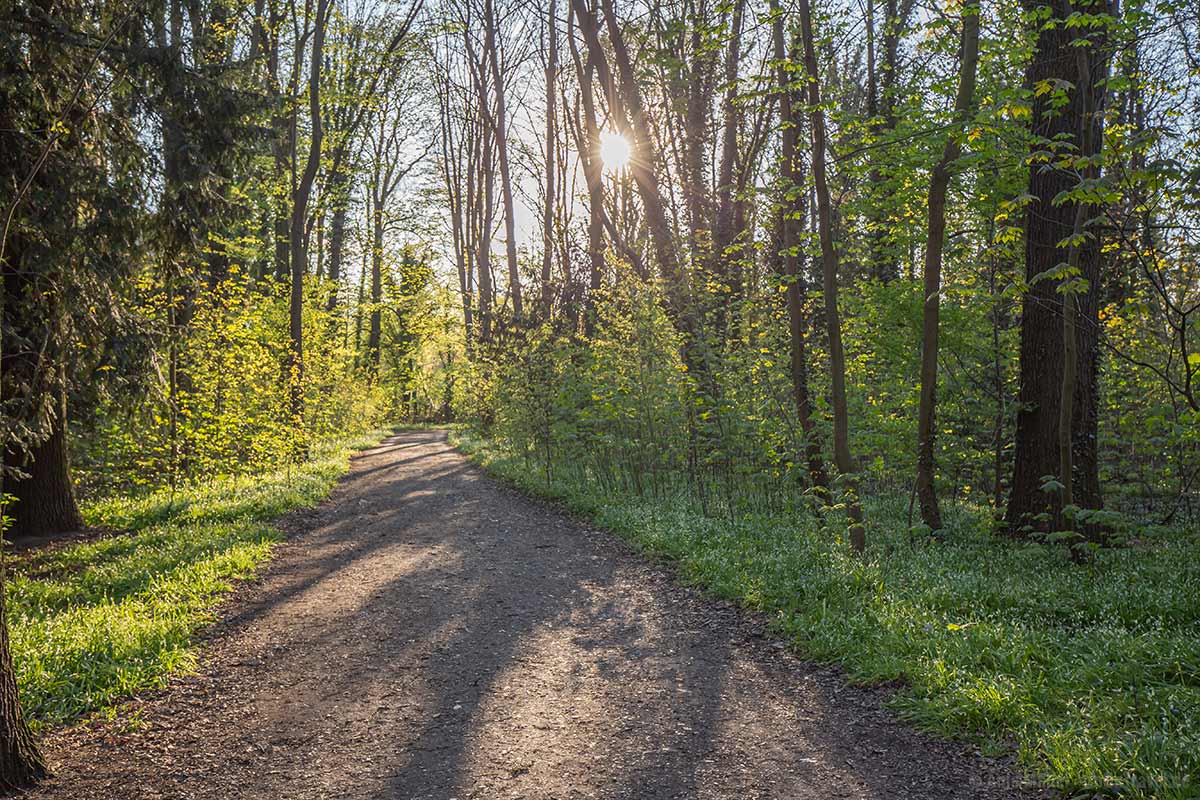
(21, 764)
(939, 182)
(829, 270)
(1047, 226)
(46, 498)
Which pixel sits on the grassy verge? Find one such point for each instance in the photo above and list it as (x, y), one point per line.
(100, 620)
(1091, 673)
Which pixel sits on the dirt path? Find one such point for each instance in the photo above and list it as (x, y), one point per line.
(427, 634)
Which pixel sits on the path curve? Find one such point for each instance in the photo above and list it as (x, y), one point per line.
(427, 634)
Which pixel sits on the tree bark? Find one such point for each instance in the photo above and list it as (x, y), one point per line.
(340, 190)
(726, 255)
(829, 270)
(21, 764)
(1047, 225)
(501, 132)
(939, 182)
(46, 498)
(298, 252)
(589, 149)
(551, 162)
(791, 217)
(484, 240)
(375, 326)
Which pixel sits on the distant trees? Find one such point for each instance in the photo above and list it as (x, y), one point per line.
(860, 145)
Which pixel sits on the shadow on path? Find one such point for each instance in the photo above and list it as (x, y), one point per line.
(427, 634)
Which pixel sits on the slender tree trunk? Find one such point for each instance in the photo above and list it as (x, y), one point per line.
(298, 252)
(791, 217)
(501, 132)
(697, 110)
(376, 318)
(881, 106)
(589, 148)
(551, 162)
(484, 259)
(829, 270)
(726, 257)
(280, 144)
(643, 160)
(340, 190)
(939, 182)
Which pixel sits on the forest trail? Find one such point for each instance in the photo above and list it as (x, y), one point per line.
(428, 634)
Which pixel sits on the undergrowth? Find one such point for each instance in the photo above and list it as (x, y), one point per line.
(1091, 673)
(96, 621)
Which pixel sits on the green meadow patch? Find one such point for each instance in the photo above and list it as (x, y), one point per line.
(96, 621)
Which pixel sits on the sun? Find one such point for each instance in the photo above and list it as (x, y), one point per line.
(615, 151)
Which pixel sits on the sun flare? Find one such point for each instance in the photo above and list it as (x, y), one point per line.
(615, 151)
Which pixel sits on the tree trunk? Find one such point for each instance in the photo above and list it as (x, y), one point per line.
(21, 764)
(939, 182)
(375, 328)
(337, 233)
(881, 106)
(589, 148)
(46, 498)
(791, 217)
(697, 109)
(726, 257)
(1047, 226)
(829, 270)
(551, 163)
(484, 259)
(501, 132)
(298, 253)
(280, 148)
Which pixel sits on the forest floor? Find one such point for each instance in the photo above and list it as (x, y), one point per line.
(428, 634)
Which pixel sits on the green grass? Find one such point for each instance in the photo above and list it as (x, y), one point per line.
(1090, 673)
(94, 622)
